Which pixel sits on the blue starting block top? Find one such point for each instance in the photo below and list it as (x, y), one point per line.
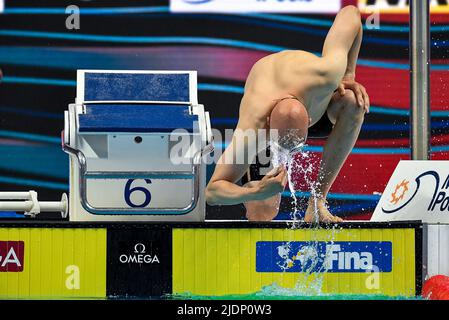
(167, 87)
(136, 118)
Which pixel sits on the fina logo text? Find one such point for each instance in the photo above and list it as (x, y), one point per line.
(139, 256)
(315, 257)
(347, 260)
(440, 198)
(334, 255)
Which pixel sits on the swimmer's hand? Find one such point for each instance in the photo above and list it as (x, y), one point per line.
(349, 83)
(272, 184)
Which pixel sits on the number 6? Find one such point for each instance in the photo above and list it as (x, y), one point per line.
(129, 191)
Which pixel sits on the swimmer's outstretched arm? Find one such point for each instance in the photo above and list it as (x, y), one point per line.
(222, 188)
(224, 192)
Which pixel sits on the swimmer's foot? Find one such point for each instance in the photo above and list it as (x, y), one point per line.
(318, 212)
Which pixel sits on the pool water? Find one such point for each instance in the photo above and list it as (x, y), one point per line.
(264, 296)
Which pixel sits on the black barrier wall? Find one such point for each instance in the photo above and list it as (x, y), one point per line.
(139, 262)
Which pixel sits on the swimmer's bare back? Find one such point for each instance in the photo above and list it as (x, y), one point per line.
(289, 74)
(297, 74)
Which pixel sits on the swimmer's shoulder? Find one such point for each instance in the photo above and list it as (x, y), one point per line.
(286, 58)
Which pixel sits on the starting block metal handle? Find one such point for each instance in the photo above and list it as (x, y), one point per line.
(84, 175)
(30, 205)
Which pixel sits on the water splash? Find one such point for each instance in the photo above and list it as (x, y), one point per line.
(301, 163)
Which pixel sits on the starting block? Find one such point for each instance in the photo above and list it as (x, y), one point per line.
(121, 134)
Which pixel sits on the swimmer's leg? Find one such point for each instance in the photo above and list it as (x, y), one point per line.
(342, 44)
(348, 117)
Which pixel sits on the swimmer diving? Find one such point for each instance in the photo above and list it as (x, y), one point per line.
(298, 94)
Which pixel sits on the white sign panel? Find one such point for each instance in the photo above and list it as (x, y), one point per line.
(417, 190)
(139, 194)
(437, 252)
(247, 6)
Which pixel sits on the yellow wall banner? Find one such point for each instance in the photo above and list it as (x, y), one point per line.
(225, 261)
(208, 259)
(52, 263)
